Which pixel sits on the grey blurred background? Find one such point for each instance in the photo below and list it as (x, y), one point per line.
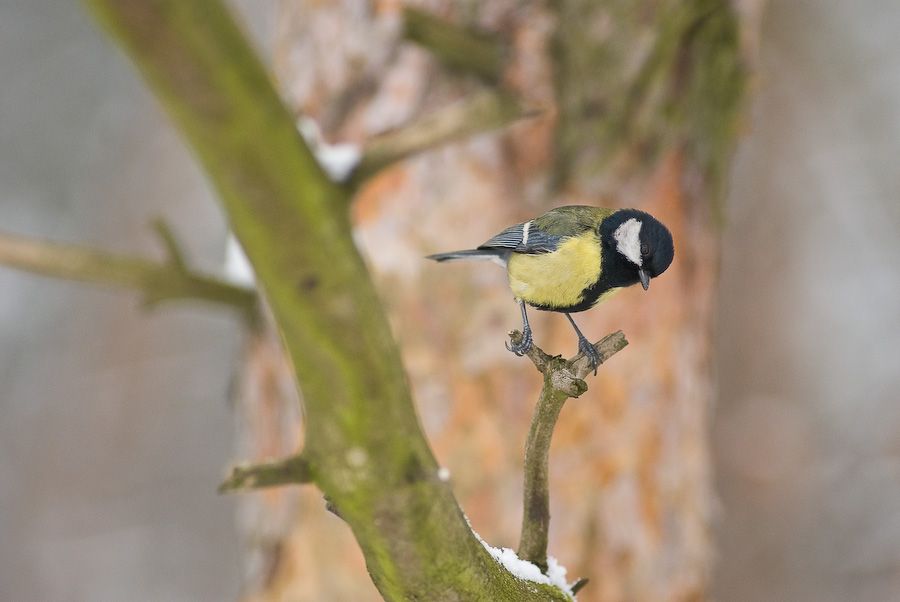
(114, 423)
(115, 426)
(807, 431)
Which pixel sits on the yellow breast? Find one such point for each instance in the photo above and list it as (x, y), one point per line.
(556, 279)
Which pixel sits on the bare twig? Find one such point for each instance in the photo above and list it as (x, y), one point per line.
(170, 242)
(578, 585)
(562, 379)
(157, 282)
(461, 48)
(244, 477)
(481, 112)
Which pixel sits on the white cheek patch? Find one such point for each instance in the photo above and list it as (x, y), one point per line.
(628, 240)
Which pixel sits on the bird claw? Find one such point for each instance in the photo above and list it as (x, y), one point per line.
(589, 351)
(523, 346)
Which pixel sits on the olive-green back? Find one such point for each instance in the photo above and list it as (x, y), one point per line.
(571, 220)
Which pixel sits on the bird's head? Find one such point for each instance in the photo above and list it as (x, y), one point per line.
(641, 245)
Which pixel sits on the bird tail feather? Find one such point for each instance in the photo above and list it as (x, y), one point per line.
(471, 254)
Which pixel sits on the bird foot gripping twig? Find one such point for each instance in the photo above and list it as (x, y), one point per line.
(588, 350)
(589, 356)
(521, 344)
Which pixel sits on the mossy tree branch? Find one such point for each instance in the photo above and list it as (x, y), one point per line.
(157, 282)
(364, 445)
(562, 379)
(288, 471)
(479, 113)
(460, 48)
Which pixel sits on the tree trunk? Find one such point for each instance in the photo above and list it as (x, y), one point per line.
(640, 105)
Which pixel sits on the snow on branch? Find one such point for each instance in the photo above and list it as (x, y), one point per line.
(553, 573)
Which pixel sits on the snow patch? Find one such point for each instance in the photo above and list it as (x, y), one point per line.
(557, 574)
(338, 160)
(522, 569)
(237, 266)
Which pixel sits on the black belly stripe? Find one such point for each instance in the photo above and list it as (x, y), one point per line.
(617, 272)
(589, 297)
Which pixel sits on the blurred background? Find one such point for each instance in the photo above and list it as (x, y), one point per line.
(117, 424)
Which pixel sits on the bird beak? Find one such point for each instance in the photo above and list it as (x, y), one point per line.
(645, 278)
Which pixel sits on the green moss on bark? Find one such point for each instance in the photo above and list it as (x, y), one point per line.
(364, 446)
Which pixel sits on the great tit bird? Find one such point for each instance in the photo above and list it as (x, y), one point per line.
(572, 258)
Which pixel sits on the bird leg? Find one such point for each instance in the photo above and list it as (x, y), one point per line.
(524, 345)
(585, 347)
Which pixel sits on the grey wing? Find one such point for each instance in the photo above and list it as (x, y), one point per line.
(523, 238)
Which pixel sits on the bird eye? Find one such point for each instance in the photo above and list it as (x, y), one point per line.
(645, 249)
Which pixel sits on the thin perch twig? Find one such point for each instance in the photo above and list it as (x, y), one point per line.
(157, 282)
(170, 242)
(562, 379)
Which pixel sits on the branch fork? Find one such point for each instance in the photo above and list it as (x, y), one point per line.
(156, 281)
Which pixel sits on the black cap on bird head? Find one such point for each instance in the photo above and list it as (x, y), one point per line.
(642, 244)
